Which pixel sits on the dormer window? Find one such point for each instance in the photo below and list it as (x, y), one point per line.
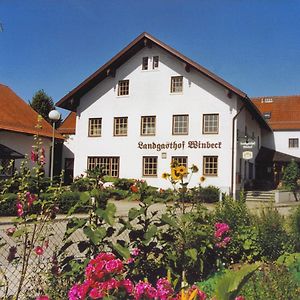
(267, 115)
(266, 100)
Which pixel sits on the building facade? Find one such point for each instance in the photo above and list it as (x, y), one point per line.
(17, 129)
(282, 144)
(150, 105)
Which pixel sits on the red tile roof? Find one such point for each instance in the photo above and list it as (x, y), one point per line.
(68, 125)
(16, 115)
(285, 111)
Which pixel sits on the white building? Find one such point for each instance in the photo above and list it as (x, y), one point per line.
(283, 115)
(150, 104)
(17, 128)
(67, 129)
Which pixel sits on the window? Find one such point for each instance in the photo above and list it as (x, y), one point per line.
(123, 88)
(6, 167)
(149, 165)
(120, 126)
(148, 125)
(108, 165)
(293, 143)
(266, 100)
(182, 160)
(180, 124)
(210, 123)
(95, 125)
(267, 115)
(155, 62)
(176, 84)
(145, 63)
(210, 165)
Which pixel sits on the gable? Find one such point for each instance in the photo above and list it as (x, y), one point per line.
(145, 40)
(151, 88)
(68, 126)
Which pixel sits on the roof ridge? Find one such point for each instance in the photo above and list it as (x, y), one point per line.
(287, 96)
